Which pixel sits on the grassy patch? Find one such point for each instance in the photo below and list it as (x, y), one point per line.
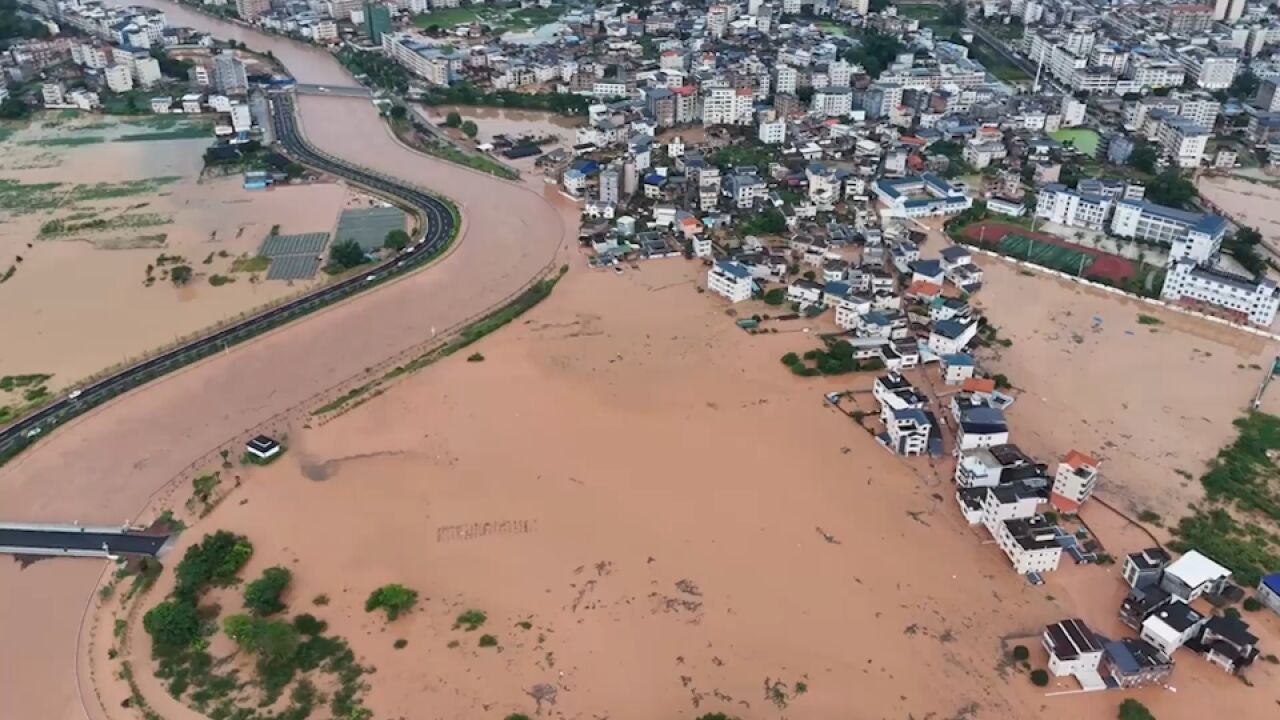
(66, 226)
(66, 141)
(343, 399)
(182, 132)
(1242, 477)
(1149, 320)
(247, 264)
(470, 620)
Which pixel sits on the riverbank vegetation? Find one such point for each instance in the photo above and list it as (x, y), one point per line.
(289, 654)
(1239, 523)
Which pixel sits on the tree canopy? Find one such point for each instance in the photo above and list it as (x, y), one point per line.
(173, 624)
(875, 51)
(1170, 188)
(262, 596)
(1131, 709)
(395, 599)
(346, 254)
(396, 240)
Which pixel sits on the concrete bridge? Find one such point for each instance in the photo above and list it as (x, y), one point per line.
(338, 90)
(78, 541)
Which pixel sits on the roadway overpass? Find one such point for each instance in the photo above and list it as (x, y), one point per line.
(335, 90)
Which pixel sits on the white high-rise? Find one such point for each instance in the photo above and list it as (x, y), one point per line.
(1228, 11)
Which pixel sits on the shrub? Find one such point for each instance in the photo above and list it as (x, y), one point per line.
(475, 357)
(471, 620)
(1252, 604)
(1002, 381)
(1131, 709)
(396, 240)
(1039, 678)
(790, 359)
(309, 624)
(401, 644)
(776, 296)
(1020, 652)
(1232, 613)
(180, 275)
(1150, 517)
(453, 119)
(488, 641)
(262, 596)
(394, 599)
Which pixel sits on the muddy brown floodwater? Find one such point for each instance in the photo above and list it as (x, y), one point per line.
(102, 467)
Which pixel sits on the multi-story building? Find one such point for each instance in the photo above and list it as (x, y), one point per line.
(724, 105)
(229, 74)
(1059, 204)
(610, 181)
(1257, 300)
(832, 101)
(146, 72)
(437, 65)
(1210, 71)
(1156, 73)
(377, 20)
(1268, 97)
(241, 118)
(730, 279)
(53, 93)
(920, 196)
(1201, 108)
(1030, 543)
(1073, 648)
(250, 10)
(1228, 11)
(1200, 233)
(785, 79)
(1168, 628)
(1074, 481)
(773, 132)
(1132, 662)
(717, 20)
(118, 78)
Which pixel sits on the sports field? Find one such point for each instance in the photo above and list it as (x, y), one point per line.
(1049, 251)
(1045, 254)
(1083, 139)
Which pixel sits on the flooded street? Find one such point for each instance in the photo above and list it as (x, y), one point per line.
(102, 467)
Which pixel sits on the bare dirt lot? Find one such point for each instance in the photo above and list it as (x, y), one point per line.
(681, 522)
(1154, 402)
(98, 224)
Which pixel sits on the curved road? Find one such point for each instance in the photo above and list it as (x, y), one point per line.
(101, 468)
(439, 228)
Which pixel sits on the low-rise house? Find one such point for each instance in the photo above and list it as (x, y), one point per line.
(902, 255)
(1227, 643)
(1269, 591)
(1143, 569)
(946, 308)
(849, 310)
(929, 271)
(906, 430)
(807, 293)
(956, 368)
(884, 324)
(981, 427)
(967, 277)
(1193, 575)
(895, 392)
(1030, 543)
(1133, 663)
(731, 280)
(1171, 626)
(1140, 603)
(1074, 650)
(948, 337)
(1074, 481)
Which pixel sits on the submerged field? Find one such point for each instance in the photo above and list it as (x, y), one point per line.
(97, 216)
(622, 473)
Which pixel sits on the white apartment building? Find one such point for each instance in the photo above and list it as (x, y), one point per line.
(1211, 72)
(907, 431)
(1168, 628)
(785, 79)
(840, 73)
(773, 133)
(1155, 74)
(920, 196)
(1074, 481)
(832, 102)
(824, 187)
(730, 279)
(146, 72)
(1073, 111)
(52, 93)
(717, 20)
(118, 78)
(436, 65)
(93, 57)
(1192, 235)
(1059, 204)
(1228, 11)
(723, 105)
(709, 188)
(324, 31)
(1257, 300)
(1203, 111)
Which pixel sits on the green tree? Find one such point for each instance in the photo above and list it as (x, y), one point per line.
(262, 596)
(776, 296)
(953, 14)
(1020, 652)
(346, 254)
(1170, 188)
(396, 240)
(215, 561)
(398, 112)
(14, 109)
(394, 598)
(173, 624)
(1131, 709)
(453, 119)
(1144, 157)
(180, 275)
(1039, 678)
(875, 51)
(470, 129)
(1245, 86)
